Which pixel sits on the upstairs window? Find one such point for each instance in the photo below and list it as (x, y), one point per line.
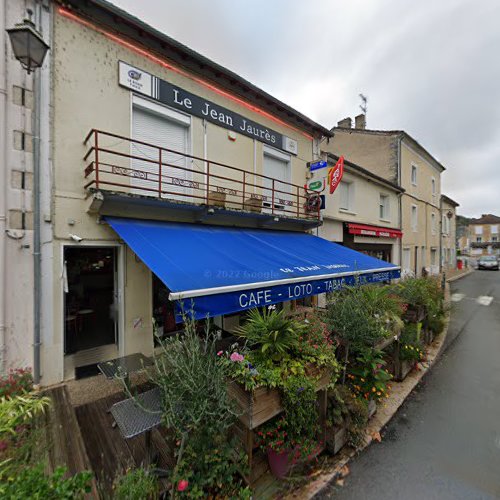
(433, 223)
(384, 209)
(346, 192)
(414, 175)
(414, 218)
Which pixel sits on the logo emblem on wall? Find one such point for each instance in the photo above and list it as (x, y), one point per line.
(335, 174)
(135, 75)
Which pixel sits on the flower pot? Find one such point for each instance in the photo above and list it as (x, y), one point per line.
(279, 462)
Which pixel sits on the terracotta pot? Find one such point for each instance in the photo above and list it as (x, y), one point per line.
(279, 463)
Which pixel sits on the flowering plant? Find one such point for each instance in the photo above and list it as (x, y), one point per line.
(368, 378)
(17, 382)
(411, 346)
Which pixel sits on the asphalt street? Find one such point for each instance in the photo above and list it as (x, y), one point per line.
(444, 443)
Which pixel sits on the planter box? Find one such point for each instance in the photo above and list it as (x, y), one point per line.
(428, 336)
(262, 404)
(217, 199)
(414, 314)
(336, 439)
(253, 205)
(403, 367)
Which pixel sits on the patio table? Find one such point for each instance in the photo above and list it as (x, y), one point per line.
(124, 366)
(139, 415)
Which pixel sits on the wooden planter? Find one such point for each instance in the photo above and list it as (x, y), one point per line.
(260, 405)
(401, 367)
(414, 314)
(428, 336)
(335, 438)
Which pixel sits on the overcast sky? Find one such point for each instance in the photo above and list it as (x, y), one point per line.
(430, 67)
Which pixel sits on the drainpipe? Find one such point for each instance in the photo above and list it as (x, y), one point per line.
(3, 195)
(400, 205)
(37, 255)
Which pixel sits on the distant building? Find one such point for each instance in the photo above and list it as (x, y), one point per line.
(483, 235)
(363, 213)
(399, 158)
(448, 233)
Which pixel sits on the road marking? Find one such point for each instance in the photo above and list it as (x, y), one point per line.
(457, 297)
(484, 300)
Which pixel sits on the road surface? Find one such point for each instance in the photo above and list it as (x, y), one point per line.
(444, 443)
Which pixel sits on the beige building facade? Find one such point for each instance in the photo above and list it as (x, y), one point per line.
(483, 236)
(448, 233)
(363, 213)
(397, 157)
(141, 126)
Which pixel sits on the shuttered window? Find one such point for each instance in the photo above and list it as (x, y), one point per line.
(277, 166)
(159, 130)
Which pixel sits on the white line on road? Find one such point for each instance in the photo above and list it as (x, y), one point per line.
(457, 297)
(484, 300)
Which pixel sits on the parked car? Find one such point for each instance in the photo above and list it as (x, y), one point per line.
(488, 262)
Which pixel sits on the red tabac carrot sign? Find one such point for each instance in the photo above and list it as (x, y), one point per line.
(335, 174)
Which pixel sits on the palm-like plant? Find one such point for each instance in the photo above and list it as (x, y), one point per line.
(271, 331)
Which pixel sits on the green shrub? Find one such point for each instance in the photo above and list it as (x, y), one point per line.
(135, 484)
(33, 483)
(271, 331)
(197, 408)
(411, 345)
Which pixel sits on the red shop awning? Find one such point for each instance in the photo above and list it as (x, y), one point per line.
(380, 232)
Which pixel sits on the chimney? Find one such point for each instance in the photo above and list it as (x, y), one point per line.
(345, 123)
(360, 121)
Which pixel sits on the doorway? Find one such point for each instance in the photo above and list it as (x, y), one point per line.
(90, 305)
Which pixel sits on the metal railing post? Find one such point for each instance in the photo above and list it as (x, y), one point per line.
(96, 146)
(298, 203)
(272, 202)
(244, 185)
(208, 183)
(159, 172)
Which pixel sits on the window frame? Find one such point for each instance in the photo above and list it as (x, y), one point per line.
(413, 180)
(414, 223)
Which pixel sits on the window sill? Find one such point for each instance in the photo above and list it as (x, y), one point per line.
(345, 211)
(386, 220)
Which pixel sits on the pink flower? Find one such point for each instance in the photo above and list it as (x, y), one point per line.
(182, 485)
(236, 357)
(220, 353)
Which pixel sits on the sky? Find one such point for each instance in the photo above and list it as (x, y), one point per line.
(429, 67)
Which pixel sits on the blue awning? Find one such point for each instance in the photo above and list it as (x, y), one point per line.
(220, 270)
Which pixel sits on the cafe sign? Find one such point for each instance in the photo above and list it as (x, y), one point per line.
(164, 92)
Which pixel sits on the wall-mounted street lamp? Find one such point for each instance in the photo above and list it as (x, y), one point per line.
(27, 44)
(29, 49)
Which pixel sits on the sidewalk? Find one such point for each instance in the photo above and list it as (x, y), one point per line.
(455, 274)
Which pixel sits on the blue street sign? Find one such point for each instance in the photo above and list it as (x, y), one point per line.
(317, 165)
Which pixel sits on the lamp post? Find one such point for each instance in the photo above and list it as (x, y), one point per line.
(29, 49)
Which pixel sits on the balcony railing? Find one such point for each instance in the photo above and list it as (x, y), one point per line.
(122, 164)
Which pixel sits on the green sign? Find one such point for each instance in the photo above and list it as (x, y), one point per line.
(315, 185)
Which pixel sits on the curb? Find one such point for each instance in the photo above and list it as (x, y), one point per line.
(381, 418)
(455, 278)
